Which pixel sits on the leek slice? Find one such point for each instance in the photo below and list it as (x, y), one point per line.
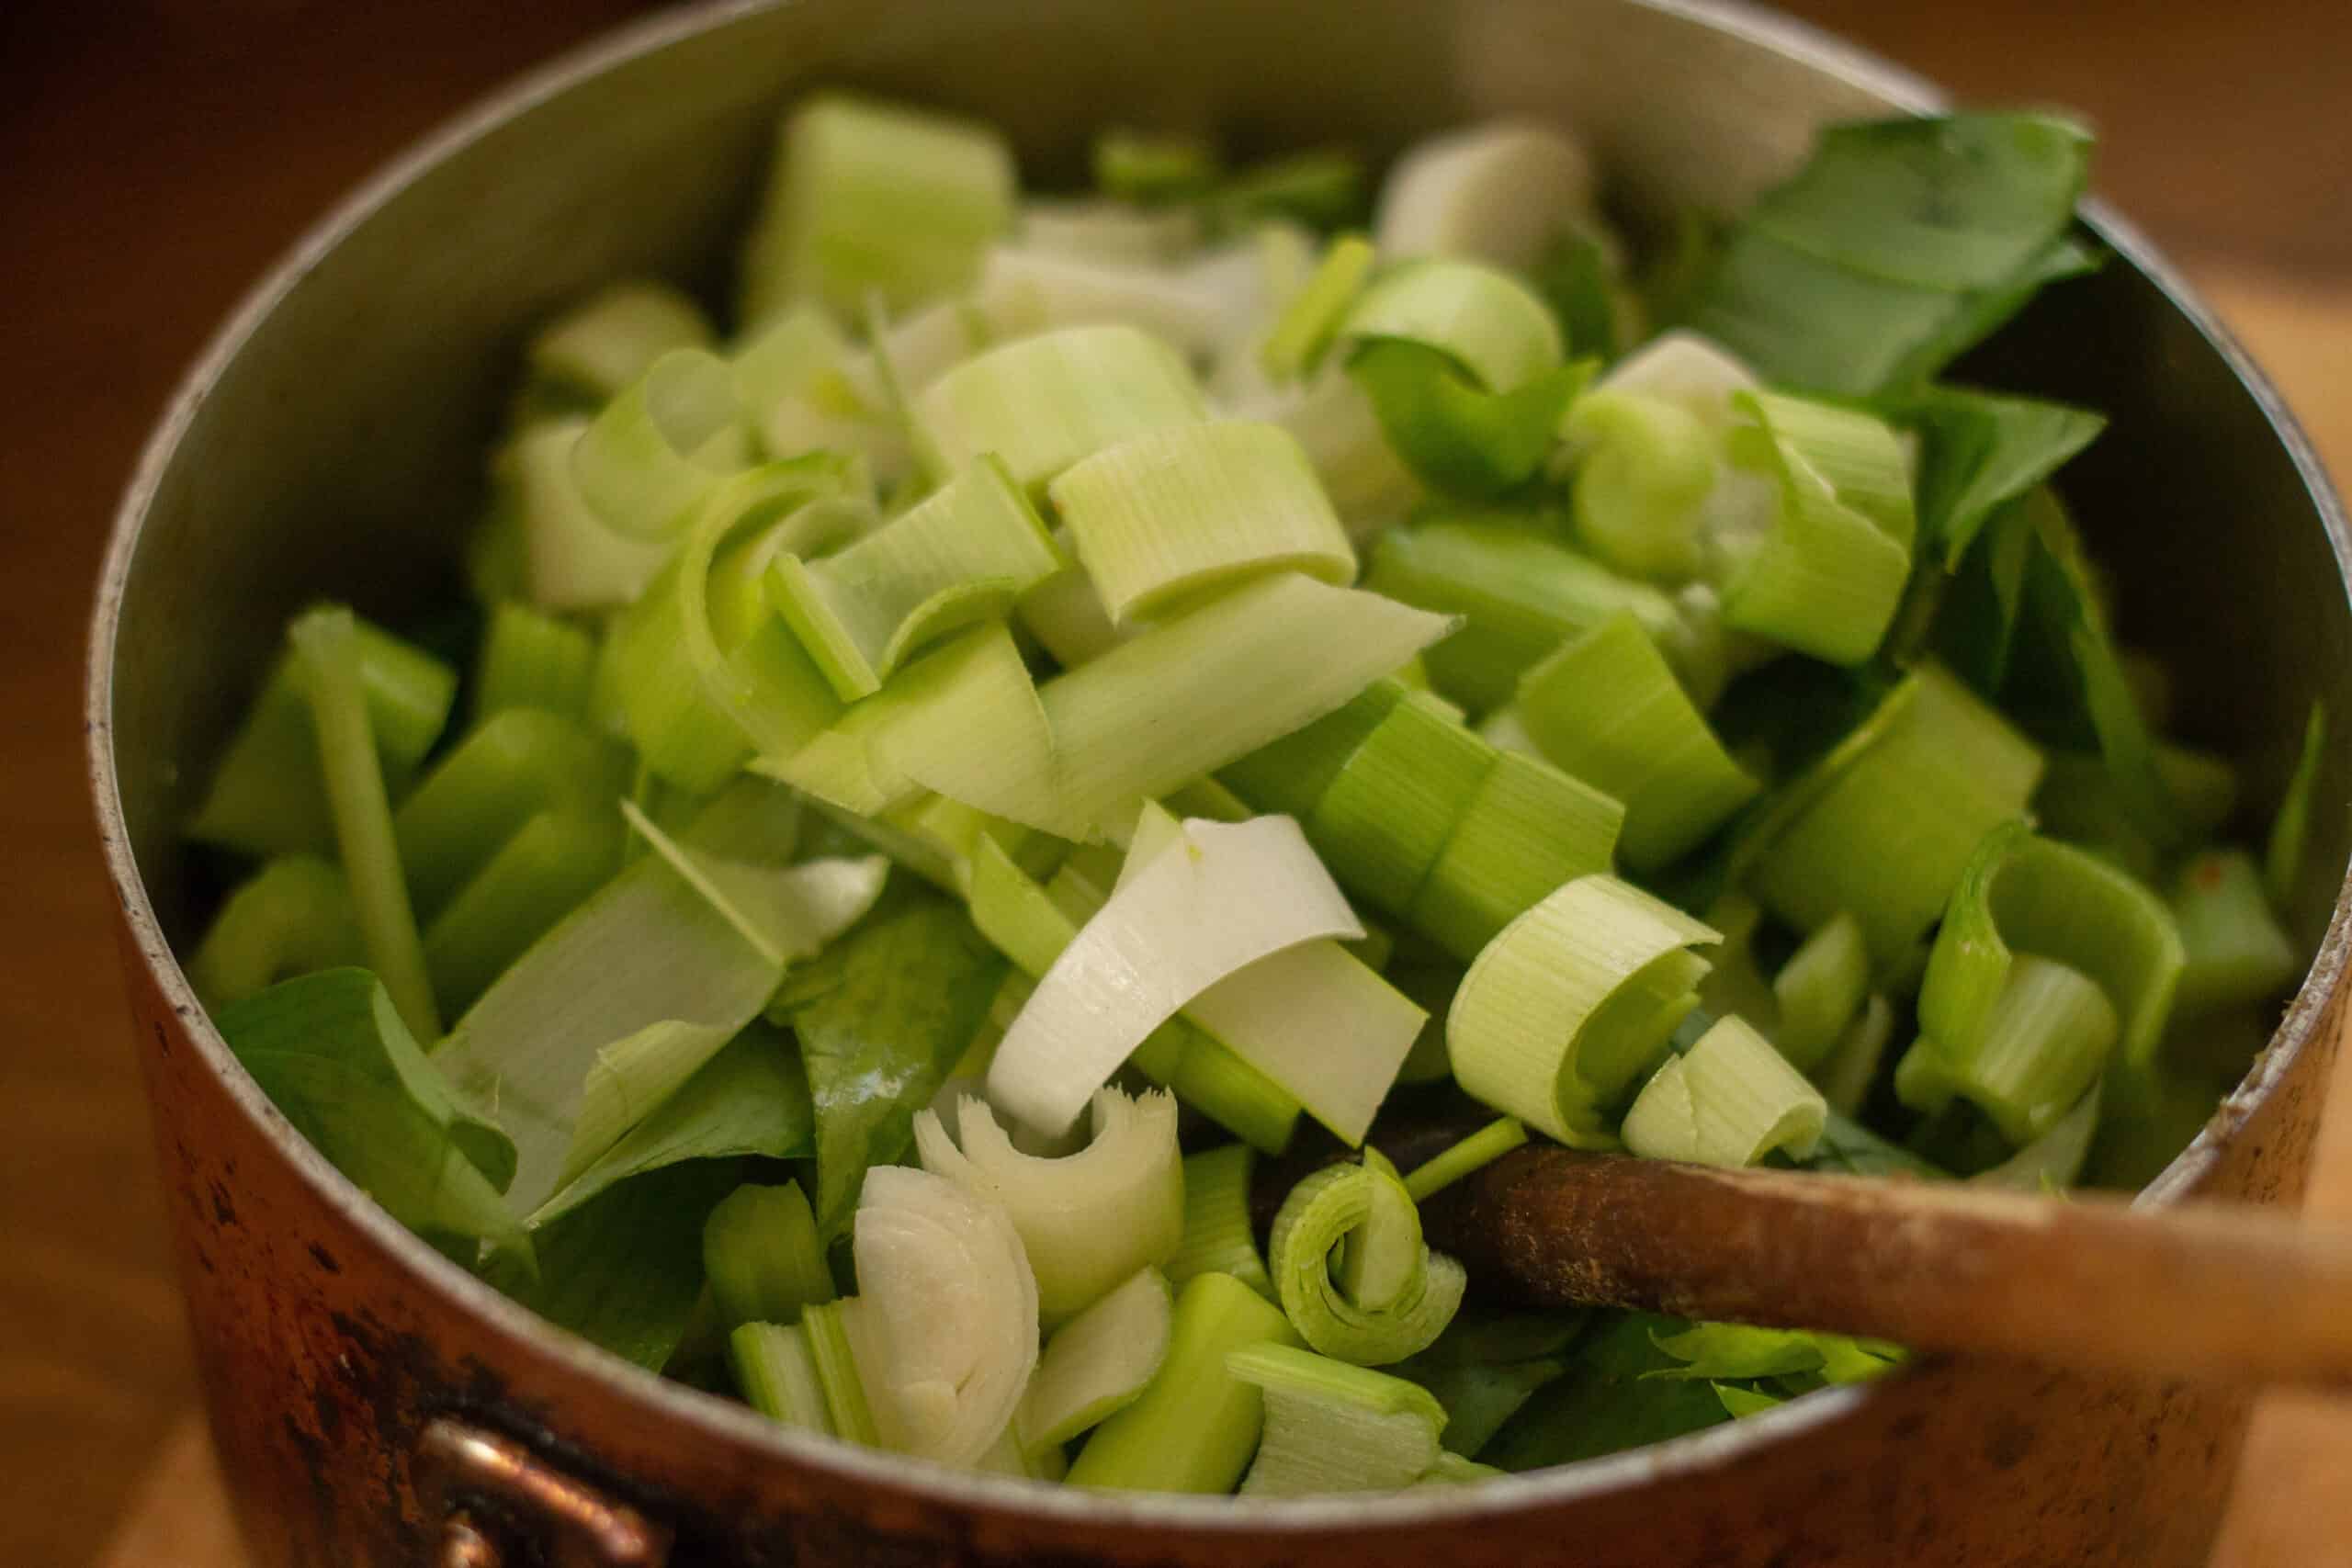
(600, 346)
(1688, 371)
(2025, 894)
(1497, 193)
(762, 1258)
(539, 874)
(1369, 485)
(331, 1053)
(658, 449)
(1605, 709)
(1178, 512)
(1643, 469)
(961, 555)
(1222, 897)
(1455, 437)
(1027, 291)
(1296, 343)
(2042, 1043)
(1388, 812)
(828, 1325)
(1108, 231)
(1819, 991)
(872, 198)
(1087, 1220)
(1404, 1293)
(1572, 1003)
(1728, 1101)
(1218, 1237)
(1335, 1428)
(1520, 594)
(267, 796)
(1195, 1425)
(1041, 403)
(1827, 575)
(778, 1372)
(801, 387)
(293, 917)
(2232, 947)
(534, 660)
(1529, 829)
(1098, 1363)
(569, 558)
(1851, 1067)
(2055, 1161)
(947, 1297)
(1897, 245)
(1486, 322)
(326, 645)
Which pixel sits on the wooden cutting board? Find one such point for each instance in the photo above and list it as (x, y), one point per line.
(2293, 1509)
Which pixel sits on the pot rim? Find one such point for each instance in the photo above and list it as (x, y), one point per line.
(727, 1421)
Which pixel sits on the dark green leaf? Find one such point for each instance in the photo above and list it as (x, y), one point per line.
(1323, 189)
(1486, 1365)
(1980, 451)
(751, 1098)
(1574, 278)
(1604, 1402)
(334, 1058)
(1849, 1149)
(882, 1015)
(1455, 437)
(2283, 856)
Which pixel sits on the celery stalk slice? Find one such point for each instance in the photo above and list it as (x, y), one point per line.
(1335, 1428)
(293, 917)
(760, 1255)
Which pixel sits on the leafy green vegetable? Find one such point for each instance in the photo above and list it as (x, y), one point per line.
(1898, 244)
(1849, 1149)
(882, 1015)
(1979, 451)
(2282, 860)
(335, 1059)
(750, 1098)
(1606, 1401)
(1487, 1365)
(1721, 1352)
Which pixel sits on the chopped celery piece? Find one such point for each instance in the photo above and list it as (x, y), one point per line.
(654, 454)
(777, 1373)
(870, 199)
(2284, 853)
(513, 766)
(543, 871)
(1406, 1293)
(1882, 828)
(847, 1409)
(2233, 948)
(531, 659)
(1176, 512)
(1196, 1424)
(944, 1384)
(1728, 1101)
(291, 917)
(762, 1258)
(1331, 1426)
(1818, 992)
(1643, 469)
(1473, 1153)
(267, 794)
(1041, 403)
(333, 1056)
(1098, 1363)
(1826, 575)
(326, 647)
(1222, 897)
(1485, 320)
(569, 558)
(1606, 708)
(1087, 1220)
(1576, 999)
(1898, 243)
(1522, 595)
(962, 555)
(601, 346)
(1218, 1238)
(1296, 343)
(1498, 192)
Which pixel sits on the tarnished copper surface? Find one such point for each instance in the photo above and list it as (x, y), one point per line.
(461, 1470)
(329, 444)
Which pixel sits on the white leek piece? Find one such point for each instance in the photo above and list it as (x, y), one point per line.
(802, 388)
(1498, 193)
(1098, 1363)
(1368, 483)
(1335, 1428)
(1693, 373)
(604, 343)
(950, 1309)
(1729, 1100)
(1176, 512)
(1026, 289)
(1573, 1002)
(962, 555)
(571, 560)
(648, 460)
(1108, 231)
(1222, 897)
(872, 198)
(1041, 403)
(1087, 1220)
(785, 915)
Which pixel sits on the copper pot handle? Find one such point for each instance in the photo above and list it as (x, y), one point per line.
(477, 1483)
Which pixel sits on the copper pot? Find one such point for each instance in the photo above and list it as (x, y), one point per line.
(375, 1406)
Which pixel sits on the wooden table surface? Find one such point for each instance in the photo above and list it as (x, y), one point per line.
(157, 153)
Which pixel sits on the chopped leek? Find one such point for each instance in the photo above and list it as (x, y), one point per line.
(2232, 946)
(1455, 436)
(1311, 320)
(1819, 991)
(1400, 1303)
(601, 346)
(1331, 1426)
(1495, 193)
(1481, 1149)
(1728, 1101)
(1643, 469)
(761, 1257)
(1573, 1003)
(291, 917)
(651, 456)
(1098, 1363)
(1485, 320)
(533, 660)
(778, 1372)
(1218, 1238)
(1041, 403)
(570, 558)
(543, 871)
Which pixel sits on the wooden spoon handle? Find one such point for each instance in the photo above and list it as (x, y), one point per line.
(2209, 1292)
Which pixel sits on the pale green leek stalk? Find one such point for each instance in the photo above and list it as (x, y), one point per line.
(1403, 1294)
(1331, 1426)
(1729, 1100)
(1818, 992)
(1098, 1363)
(1218, 1237)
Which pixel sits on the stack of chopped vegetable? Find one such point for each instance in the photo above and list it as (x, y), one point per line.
(951, 776)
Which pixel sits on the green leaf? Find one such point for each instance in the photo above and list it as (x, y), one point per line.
(751, 1098)
(333, 1056)
(1736, 1351)
(1454, 436)
(1897, 246)
(1486, 1366)
(1739, 1402)
(882, 1015)
(1604, 1402)
(623, 1270)
(1978, 452)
